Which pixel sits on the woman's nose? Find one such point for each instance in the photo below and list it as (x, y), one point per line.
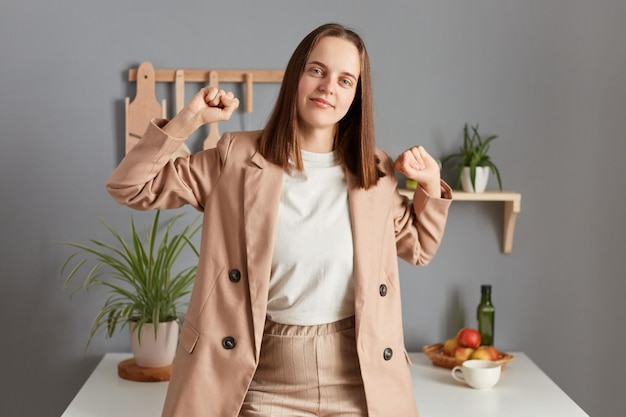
(326, 86)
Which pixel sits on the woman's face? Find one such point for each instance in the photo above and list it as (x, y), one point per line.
(328, 84)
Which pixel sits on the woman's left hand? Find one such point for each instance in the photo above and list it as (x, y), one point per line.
(417, 164)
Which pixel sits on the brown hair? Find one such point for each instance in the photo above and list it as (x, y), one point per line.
(354, 139)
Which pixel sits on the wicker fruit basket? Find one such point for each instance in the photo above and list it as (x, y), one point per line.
(438, 358)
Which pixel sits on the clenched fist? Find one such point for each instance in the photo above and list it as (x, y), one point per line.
(417, 164)
(207, 106)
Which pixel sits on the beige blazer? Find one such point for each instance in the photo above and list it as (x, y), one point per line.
(239, 191)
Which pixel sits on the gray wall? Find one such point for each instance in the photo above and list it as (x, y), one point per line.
(549, 77)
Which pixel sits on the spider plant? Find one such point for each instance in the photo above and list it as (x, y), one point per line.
(473, 153)
(137, 272)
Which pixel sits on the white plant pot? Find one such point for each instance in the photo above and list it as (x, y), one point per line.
(482, 177)
(151, 353)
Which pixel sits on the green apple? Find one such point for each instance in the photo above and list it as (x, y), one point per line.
(410, 184)
(488, 353)
(449, 346)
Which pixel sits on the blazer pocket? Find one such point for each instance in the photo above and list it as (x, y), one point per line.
(390, 282)
(188, 337)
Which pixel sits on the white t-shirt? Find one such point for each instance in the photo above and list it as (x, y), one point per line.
(312, 264)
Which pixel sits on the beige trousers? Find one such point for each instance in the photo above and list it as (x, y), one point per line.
(307, 371)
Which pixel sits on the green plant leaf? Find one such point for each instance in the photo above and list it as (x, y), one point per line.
(138, 275)
(472, 154)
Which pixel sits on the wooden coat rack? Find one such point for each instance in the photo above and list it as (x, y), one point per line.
(145, 106)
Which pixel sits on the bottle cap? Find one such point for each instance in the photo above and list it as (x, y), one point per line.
(485, 289)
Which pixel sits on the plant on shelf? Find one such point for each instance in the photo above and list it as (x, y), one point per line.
(138, 273)
(473, 157)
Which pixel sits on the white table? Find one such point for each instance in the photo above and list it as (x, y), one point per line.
(523, 390)
(105, 394)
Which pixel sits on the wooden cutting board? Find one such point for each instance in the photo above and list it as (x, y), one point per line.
(144, 106)
(179, 103)
(214, 135)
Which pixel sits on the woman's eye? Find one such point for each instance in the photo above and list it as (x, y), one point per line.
(316, 71)
(346, 83)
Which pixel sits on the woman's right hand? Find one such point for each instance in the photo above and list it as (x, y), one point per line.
(208, 105)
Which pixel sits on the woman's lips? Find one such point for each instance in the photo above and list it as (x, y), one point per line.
(322, 102)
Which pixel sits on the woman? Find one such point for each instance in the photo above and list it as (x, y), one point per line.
(296, 306)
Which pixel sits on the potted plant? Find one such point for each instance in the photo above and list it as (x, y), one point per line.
(145, 293)
(473, 162)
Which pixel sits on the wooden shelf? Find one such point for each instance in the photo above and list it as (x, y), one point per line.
(512, 206)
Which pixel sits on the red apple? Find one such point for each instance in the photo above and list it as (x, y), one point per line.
(463, 353)
(468, 337)
(449, 345)
(488, 353)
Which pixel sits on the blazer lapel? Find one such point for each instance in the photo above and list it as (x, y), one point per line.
(263, 185)
(365, 240)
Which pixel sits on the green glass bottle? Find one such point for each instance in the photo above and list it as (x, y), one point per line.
(486, 315)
